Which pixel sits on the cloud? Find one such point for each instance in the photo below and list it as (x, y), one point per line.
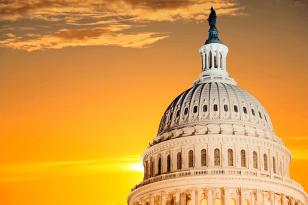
(78, 21)
(37, 171)
(98, 36)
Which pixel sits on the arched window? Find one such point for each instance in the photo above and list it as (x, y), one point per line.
(246, 202)
(159, 165)
(274, 165)
(220, 60)
(151, 167)
(204, 108)
(146, 170)
(189, 202)
(203, 157)
(225, 108)
(245, 110)
(217, 157)
(168, 163)
(215, 61)
(255, 160)
(191, 158)
(235, 108)
(203, 201)
(265, 162)
(232, 201)
(230, 157)
(215, 107)
(179, 160)
(243, 158)
(195, 109)
(217, 202)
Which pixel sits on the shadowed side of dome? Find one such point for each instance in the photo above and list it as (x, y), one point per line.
(214, 103)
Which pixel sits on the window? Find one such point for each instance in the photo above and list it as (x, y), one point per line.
(185, 111)
(210, 59)
(146, 170)
(189, 202)
(195, 109)
(235, 108)
(215, 107)
(179, 160)
(159, 165)
(255, 160)
(230, 157)
(203, 157)
(253, 112)
(226, 108)
(204, 108)
(170, 116)
(232, 202)
(246, 202)
(265, 162)
(260, 115)
(243, 158)
(217, 157)
(274, 165)
(191, 159)
(178, 113)
(217, 202)
(245, 110)
(203, 201)
(168, 163)
(151, 167)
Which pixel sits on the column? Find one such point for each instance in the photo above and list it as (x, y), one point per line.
(258, 197)
(207, 60)
(213, 59)
(183, 198)
(152, 199)
(292, 201)
(177, 197)
(209, 195)
(283, 199)
(217, 59)
(253, 201)
(163, 198)
(193, 196)
(272, 198)
(143, 201)
(203, 61)
(265, 198)
(199, 195)
(242, 196)
(226, 198)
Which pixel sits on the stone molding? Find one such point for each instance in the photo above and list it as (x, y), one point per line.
(212, 128)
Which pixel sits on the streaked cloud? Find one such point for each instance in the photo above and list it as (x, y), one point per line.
(36, 171)
(99, 36)
(76, 21)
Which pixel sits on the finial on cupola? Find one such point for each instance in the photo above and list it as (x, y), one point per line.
(213, 32)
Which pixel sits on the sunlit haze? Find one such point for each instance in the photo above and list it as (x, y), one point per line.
(84, 84)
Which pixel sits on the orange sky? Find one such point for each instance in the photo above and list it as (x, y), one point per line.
(84, 84)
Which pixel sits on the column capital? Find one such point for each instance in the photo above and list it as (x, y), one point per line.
(192, 189)
(226, 189)
(163, 194)
(209, 188)
(177, 191)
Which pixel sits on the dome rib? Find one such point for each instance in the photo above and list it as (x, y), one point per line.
(195, 106)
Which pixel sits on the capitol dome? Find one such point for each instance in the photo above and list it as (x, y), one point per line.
(216, 146)
(215, 103)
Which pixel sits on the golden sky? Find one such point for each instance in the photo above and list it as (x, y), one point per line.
(84, 84)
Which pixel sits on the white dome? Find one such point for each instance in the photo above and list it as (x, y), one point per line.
(215, 102)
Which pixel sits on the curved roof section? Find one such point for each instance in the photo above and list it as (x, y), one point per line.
(214, 102)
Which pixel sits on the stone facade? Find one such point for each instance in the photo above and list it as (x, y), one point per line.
(216, 146)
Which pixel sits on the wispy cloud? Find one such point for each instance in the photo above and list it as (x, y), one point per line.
(80, 18)
(84, 37)
(36, 171)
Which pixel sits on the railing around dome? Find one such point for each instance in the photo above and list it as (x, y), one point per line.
(216, 172)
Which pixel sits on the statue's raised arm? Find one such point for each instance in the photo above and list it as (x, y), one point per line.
(212, 17)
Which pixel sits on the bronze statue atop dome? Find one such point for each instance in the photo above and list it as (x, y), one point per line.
(213, 32)
(212, 18)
